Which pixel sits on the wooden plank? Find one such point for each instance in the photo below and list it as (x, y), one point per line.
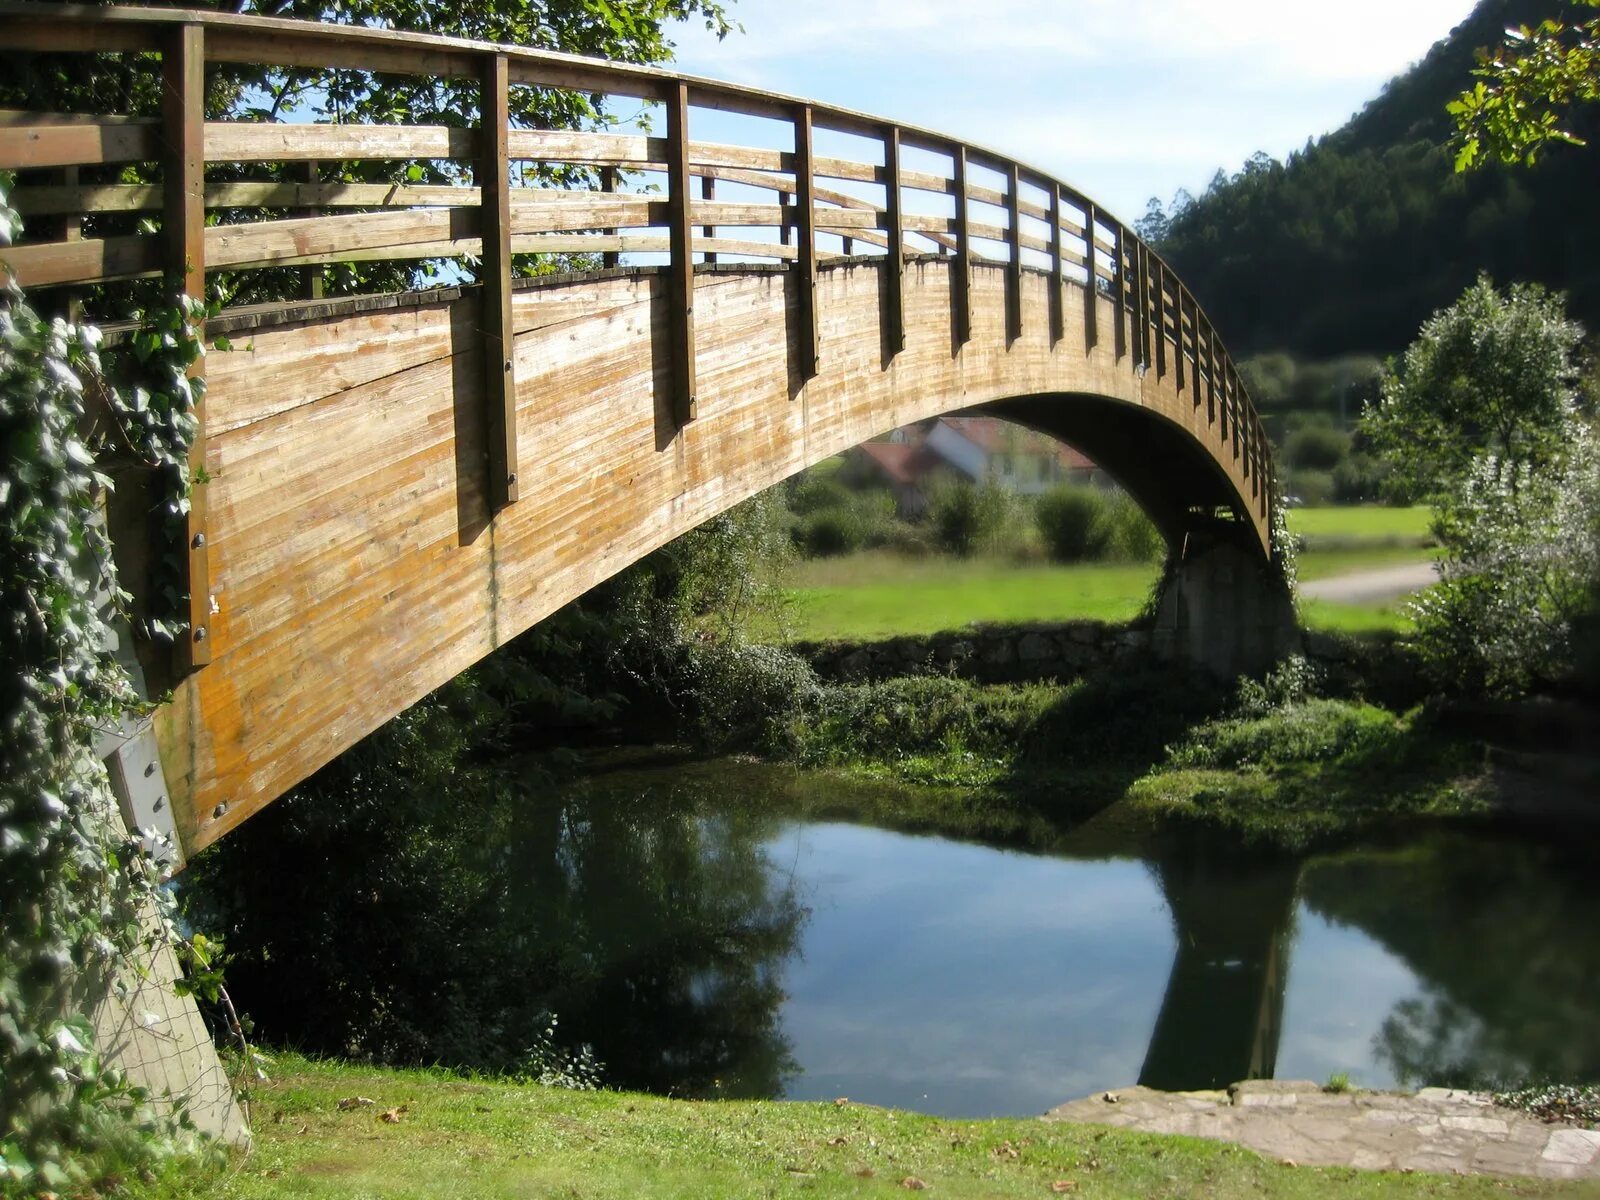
(609, 179)
(961, 269)
(894, 263)
(27, 147)
(1058, 274)
(183, 225)
(1014, 253)
(1194, 348)
(680, 270)
(90, 260)
(1091, 333)
(805, 228)
(492, 173)
(261, 141)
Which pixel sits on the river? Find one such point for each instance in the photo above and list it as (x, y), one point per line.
(735, 929)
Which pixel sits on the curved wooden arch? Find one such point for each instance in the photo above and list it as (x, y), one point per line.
(399, 484)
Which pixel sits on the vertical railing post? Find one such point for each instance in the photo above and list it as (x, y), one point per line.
(312, 277)
(493, 175)
(1091, 331)
(963, 263)
(1141, 267)
(1158, 315)
(894, 256)
(183, 173)
(1014, 249)
(1226, 412)
(1177, 332)
(1058, 273)
(805, 218)
(1194, 348)
(708, 193)
(1212, 378)
(681, 244)
(1119, 292)
(610, 178)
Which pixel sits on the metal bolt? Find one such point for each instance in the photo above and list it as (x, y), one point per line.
(218, 812)
(507, 365)
(511, 479)
(200, 634)
(199, 540)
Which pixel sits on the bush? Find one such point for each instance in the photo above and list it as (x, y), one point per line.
(829, 532)
(1069, 519)
(1081, 524)
(1318, 446)
(1128, 534)
(966, 519)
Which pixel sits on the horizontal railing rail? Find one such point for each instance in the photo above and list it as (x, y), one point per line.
(777, 204)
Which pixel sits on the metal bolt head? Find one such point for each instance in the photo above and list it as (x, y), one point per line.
(200, 634)
(199, 541)
(511, 479)
(218, 812)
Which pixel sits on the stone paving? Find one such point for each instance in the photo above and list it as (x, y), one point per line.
(1436, 1129)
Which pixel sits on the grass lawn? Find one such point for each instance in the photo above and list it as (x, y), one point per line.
(1364, 523)
(877, 594)
(459, 1139)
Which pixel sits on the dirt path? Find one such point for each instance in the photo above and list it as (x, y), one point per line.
(1374, 586)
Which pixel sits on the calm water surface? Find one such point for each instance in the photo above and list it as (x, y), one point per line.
(816, 958)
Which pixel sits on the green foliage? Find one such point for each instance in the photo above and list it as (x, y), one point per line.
(1520, 103)
(967, 520)
(1520, 566)
(1493, 375)
(1081, 524)
(76, 897)
(1069, 518)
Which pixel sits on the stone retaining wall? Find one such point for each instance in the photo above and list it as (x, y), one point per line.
(984, 653)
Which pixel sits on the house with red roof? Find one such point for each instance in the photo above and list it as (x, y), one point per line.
(980, 450)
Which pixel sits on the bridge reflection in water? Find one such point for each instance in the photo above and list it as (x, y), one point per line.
(394, 486)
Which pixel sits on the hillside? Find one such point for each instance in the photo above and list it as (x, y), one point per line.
(1351, 243)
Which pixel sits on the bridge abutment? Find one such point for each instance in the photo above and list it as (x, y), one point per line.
(1224, 609)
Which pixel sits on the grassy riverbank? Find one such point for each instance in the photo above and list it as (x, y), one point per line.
(1276, 764)
(451, 1138)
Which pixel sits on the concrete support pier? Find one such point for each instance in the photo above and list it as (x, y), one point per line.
(1224, 609)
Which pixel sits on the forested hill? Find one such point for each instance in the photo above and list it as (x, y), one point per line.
(1349, 245)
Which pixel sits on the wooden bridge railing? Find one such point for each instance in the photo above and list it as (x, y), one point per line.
(1018, 217)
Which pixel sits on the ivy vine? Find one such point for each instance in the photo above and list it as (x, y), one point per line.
(78, 891)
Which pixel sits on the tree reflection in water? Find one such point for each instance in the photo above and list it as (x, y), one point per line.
(1501, 934)
(408, 931)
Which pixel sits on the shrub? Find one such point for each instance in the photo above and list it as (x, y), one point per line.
(966, 519)
(1080, 524)
(1069, 519)
(1318, 446)
(1128, 534)
(829, 532)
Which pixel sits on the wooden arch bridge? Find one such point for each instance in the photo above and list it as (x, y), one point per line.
(394, 485)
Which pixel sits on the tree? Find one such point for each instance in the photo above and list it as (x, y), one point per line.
(1482, 420)
(1525, 91)
(1492, 377)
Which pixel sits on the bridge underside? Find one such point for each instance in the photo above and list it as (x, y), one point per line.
(354, 563)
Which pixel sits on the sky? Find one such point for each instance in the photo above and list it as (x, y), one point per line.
(1124, 99)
